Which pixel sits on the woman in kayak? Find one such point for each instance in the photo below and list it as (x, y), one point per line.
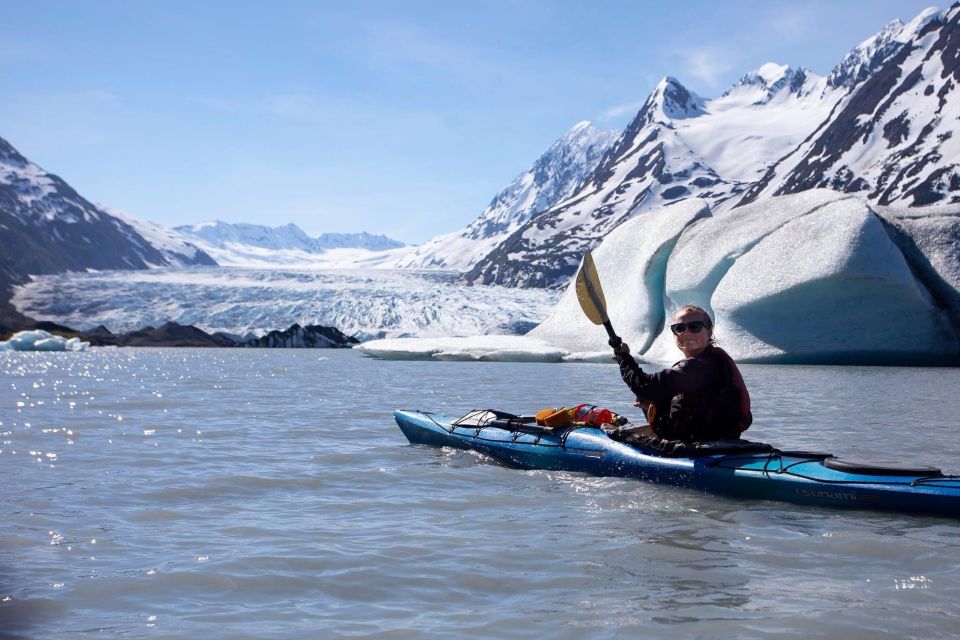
(701, 397)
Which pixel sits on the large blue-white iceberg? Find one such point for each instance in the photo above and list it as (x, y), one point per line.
(815, 277)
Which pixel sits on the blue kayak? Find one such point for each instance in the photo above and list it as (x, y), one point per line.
(737, 468)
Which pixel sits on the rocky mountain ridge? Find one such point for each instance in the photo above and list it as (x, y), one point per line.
(894, 138)
(47, 227)
(555, 175)
(173, 334)
(882, 123)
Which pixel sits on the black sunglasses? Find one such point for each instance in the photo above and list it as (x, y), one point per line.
(680, 327)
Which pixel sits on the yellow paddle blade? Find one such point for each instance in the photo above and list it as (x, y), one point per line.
(589, 293)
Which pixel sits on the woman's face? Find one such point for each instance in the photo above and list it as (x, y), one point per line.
(689, 342)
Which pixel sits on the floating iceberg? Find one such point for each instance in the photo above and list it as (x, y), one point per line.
(39, 340)
(815, 277)
(808, 278)
(489, 348)
(631, 260)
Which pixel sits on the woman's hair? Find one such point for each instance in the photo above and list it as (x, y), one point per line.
(692, 308)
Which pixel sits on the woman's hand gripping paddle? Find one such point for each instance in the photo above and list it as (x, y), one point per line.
(590, 296)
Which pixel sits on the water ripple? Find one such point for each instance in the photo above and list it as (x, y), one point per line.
(241, 493)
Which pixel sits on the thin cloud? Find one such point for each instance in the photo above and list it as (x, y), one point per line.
(287, 106)
(293, 106)
(327, 115)
(793, 23)
(395, 42)
(21, 53)
(220, 105)
(70, 101)
(401, 45)
(708, 65)
(619, 111)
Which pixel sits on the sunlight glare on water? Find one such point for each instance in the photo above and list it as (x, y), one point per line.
(262, 493)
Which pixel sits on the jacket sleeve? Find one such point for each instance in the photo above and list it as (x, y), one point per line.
(687, 376)
(645, 386)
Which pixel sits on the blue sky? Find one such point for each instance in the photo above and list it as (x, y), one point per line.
(403, 117)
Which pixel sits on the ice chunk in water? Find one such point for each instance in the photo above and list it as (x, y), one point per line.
(39, 340)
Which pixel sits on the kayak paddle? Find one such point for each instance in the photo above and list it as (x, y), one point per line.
(590, 296)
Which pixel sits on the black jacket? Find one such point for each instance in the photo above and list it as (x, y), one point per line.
(684, 395)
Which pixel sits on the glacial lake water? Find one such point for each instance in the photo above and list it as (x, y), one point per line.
(187, 493)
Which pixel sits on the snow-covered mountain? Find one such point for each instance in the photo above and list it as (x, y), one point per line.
(221, 235)
(47, 227)
(258, 246)
(882, 123)
(678, 146)
(362, 240)
(555, 175)
(894, 138)
(176, 246)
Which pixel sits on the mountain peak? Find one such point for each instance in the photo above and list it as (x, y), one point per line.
(582, 130)
(870, 54)
(866, 56)
(10, 155)
(771, 82)
(765, 76)
(670, 100)
(771, 72)
(913, 28)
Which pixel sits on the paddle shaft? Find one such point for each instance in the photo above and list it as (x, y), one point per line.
(614, 340)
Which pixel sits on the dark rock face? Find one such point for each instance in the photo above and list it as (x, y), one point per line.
(170, 334)
(887, 138)
(857, 65)
(677, 101)
(556, 175)
(173, 334)
(11, 320)
(309, 337)
(47, 227)
(675, 192)
(636, 174)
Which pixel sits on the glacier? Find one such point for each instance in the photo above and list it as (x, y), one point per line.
(360, 302)
(818, 277)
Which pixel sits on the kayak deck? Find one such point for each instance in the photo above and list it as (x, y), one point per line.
(758, 472)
